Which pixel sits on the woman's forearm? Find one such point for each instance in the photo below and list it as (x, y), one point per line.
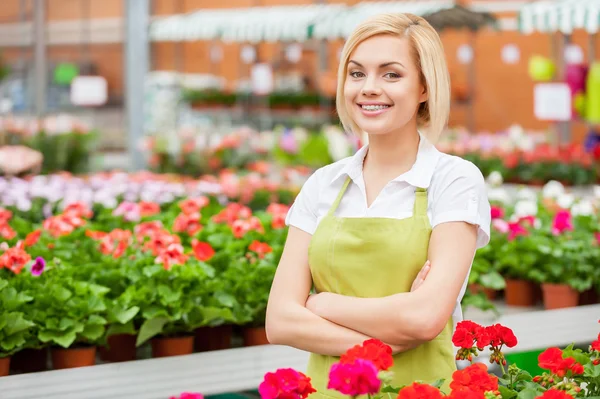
(406, 327)
(302, 329)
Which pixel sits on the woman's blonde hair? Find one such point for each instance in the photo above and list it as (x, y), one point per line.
(428, 53)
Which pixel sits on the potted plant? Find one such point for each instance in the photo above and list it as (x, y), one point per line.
(15, 327)
(568, 269)
(70, 316)
(516, 260)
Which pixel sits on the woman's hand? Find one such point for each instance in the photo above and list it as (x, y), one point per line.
(421, 276)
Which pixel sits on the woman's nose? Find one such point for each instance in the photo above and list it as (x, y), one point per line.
(370, 87)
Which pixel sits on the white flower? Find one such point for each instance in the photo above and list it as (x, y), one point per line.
(499, 194)
(565, 201)
(583, 208)
(338, 144)
(495, 179)
(526, 193)
(596, 191)
(553, 189)
(526, 208)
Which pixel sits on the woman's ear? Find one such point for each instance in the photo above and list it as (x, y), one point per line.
(424, 95)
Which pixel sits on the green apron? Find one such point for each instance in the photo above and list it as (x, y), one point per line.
(377, 257)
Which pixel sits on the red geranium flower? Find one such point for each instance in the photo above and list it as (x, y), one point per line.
(476, 378)
(373, 350)
(285, 384)
(202, 250)
(419, 391)
(555, 394)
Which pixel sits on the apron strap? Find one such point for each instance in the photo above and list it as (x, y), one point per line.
(420, 208)
(337, 201)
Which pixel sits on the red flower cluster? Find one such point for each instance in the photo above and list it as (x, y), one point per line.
(470, 337)
(555, 394)
(552, 359)
(6, 231)
(373, 350)
(187, 223)
(260, 248)
(14, 259)
(202, 250)
(239, 218)
(285, 384)
(474, 378)
(419, 391)
(279, 212)
(595, 345)
(359, 377)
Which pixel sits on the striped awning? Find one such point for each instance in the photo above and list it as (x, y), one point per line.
(341, 26)
(560, 16)
(255, 24)
(301, 23)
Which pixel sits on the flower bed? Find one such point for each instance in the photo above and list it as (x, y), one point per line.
(141, 257)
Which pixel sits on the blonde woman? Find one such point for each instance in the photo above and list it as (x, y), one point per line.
(386, 237)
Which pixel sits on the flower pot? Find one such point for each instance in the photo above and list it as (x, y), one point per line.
(73, 357)
(4, 366)
(213, 338)
(557, 296)
(30, 360)
(172, 346)
(488, 292)
(519, 293)
(254, 336)
(588, 297)
(121, 348)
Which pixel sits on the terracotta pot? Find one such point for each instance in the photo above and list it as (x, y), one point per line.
(589, 297)
(519, 293)
(73, 357)
(4, 366)
(489, 293)
(172, 346)
(213, 338)
(254, 336)
(121, 348)
(558, 296)
(30, 360)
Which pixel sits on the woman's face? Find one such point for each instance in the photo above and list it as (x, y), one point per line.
(383, 89)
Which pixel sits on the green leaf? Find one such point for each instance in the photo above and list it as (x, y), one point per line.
(390, 389)
(225, 299)
(17, 323)
(61, 294)
(63, 339)
(438, 383)
(527, 393)
(150, 328)
(591, 371)
(93, 331)
(124, 315)
(493, 280)
(126, 328)
(96, 319)
(65, 324)
(3, 283)
(506, 392)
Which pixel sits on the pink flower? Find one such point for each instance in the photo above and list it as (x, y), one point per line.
(285, 384)
(500, 225)
(562, 222)
(497, 212)
(515, 230)
(356, 378)
(188, 395)
(38, 266)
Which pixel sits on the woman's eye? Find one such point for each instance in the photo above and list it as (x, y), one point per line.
(392, 75)
(356, 74)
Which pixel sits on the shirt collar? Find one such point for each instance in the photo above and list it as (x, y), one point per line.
(418, 176)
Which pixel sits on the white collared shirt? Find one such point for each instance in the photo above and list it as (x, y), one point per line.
(456, 192)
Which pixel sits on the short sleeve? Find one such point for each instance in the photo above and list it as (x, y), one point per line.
(303, 212)
(462, 197)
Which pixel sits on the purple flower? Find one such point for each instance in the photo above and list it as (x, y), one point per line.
(38, 266)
